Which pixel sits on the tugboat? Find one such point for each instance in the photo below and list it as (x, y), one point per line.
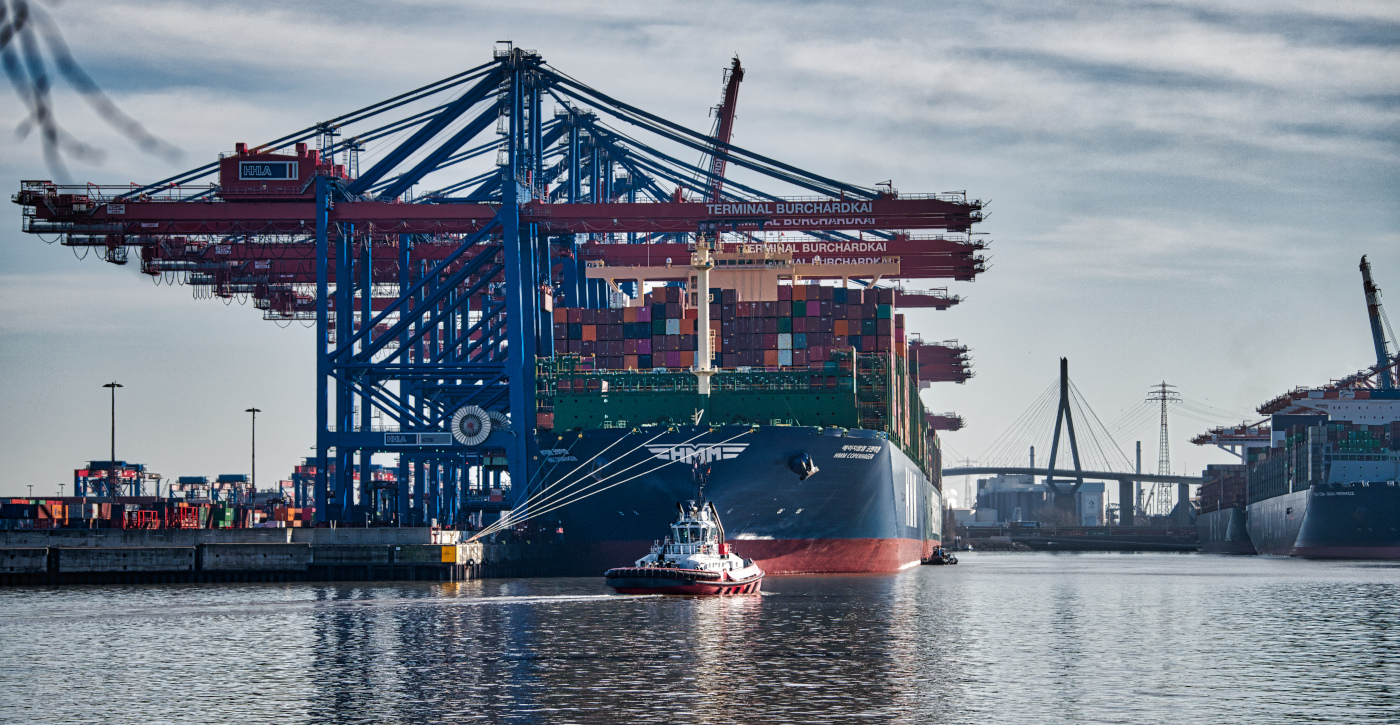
(940, 557)
(694, 559)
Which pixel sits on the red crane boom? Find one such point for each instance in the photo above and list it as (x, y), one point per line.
(724, 130)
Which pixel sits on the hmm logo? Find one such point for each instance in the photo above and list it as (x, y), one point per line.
(698, 454)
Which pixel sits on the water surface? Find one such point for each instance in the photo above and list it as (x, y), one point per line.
(1001, 638)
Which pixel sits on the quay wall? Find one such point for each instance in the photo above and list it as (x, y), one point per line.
(103, 556)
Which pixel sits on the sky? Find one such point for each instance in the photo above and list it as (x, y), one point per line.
(1179, 192)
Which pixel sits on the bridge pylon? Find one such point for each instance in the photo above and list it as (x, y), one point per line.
(1064, 418)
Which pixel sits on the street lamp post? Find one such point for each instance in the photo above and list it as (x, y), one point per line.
(255, 412)
(112, 459)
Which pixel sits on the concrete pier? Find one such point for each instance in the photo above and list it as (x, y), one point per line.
(99, 556)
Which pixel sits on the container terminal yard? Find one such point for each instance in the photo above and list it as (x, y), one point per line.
(558, 325)
(532, 270)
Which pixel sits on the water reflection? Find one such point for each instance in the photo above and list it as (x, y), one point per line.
(1000, 638)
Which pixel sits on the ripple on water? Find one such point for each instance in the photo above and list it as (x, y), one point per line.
(1000, 638)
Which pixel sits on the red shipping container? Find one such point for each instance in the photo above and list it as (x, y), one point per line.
(643, 314)
(575, 347)
(827, 293)
(561, 331)
(768, 308)
(687, 358)
(673, 310)
(629, 315)
(575, 315)
(644, 346)
(690, 313)
(882, 343)
(588, 347)
(784, 309)
(899, 322)
(814, 308)
(730, 360)
(799, 324)
(855, 297)
(629, 347)
(688, 326)
(770, 341)
(885, 296)
(673, 358)
(561, 314)
(884, 327)
(799, 357)
(629, 362)
(799, 293)
(784, 295)
(590, 316)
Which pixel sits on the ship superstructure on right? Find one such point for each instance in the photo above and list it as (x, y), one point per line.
(1321, 478)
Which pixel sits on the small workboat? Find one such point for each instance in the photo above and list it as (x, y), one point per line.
(694, 559)
(940, 557)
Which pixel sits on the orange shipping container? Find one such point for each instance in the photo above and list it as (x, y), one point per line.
(687, 358)
(590, 332)
(561, 314)
(629, 315)
(629, 362)
(799, 292)
(687, 326)
(770, 357)
(840, 328)
(690, 313)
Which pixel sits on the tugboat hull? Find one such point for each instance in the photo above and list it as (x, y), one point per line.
(649, 580)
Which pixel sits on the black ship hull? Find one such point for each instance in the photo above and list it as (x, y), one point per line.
(1225, 531)
(1330, 521)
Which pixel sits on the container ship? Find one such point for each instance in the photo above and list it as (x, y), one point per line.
(1322, 478)
(798, 416)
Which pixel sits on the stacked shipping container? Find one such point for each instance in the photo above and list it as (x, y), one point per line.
(798, 330)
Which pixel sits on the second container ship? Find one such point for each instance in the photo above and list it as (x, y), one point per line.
(1322, 478)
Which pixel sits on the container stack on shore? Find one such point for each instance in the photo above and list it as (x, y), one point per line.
(801, 329)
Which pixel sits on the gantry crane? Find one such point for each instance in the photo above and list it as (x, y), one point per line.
(431, 280)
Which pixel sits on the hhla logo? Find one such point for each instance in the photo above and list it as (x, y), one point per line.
(698, 454)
